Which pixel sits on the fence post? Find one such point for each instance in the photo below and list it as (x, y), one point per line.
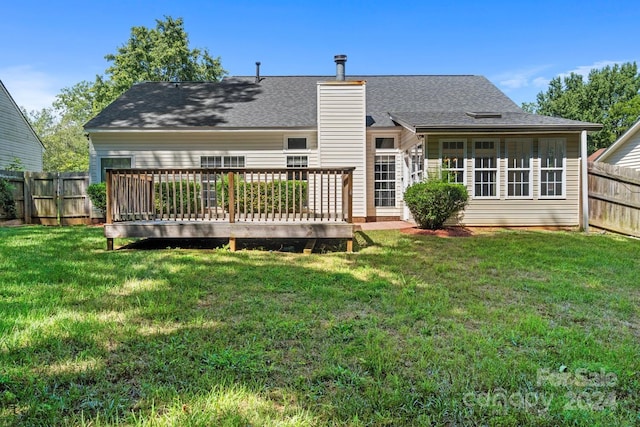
(28, 202)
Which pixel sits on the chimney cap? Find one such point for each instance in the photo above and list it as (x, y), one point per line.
(340, 58)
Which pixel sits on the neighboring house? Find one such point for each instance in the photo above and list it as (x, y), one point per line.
(521, 169)
(625, 151)
(17, 138)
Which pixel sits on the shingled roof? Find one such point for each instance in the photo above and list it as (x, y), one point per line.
(290, 102)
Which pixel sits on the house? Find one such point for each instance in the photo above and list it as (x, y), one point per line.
(18, 141)
(521, 169)
(625, 152)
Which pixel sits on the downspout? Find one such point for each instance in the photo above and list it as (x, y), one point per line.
(584, 185)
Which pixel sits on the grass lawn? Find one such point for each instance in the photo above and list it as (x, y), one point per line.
(505, 328)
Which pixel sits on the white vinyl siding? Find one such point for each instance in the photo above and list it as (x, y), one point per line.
(17, 139)
(627, 155)
(485, 168)
(551, 152)
(342, 133)
(519, 168)
(453, 153)
(185, 149)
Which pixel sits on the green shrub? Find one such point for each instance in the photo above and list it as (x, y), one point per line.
(275, 196)
(190, 196)
(98, 194)
(7, 203)
(434, 201)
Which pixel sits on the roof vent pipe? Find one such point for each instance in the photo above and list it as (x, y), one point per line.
(340, 61)
(258, 72)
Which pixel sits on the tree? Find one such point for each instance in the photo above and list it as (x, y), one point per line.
(158, 54)
(609, 96)
(66, 146)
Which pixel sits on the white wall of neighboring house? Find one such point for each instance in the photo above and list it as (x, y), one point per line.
(626, 151)
(17, 138)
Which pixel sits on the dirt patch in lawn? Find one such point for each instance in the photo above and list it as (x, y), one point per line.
(445, 232)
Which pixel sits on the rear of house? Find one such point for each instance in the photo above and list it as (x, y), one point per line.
(521, 169)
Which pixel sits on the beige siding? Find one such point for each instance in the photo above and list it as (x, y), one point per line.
(17, 139)
(518, 212)
(408, 139)
(628, 155)
(342, 133)
(184, 149)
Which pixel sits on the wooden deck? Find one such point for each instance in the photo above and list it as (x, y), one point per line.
(230, 203)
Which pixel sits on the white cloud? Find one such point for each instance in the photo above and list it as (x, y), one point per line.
(584, 70)
(518, 79)
(30, 88)
(540, 82)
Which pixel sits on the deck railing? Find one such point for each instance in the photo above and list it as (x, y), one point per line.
(231, 195)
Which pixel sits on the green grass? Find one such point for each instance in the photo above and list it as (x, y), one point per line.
(410, 330)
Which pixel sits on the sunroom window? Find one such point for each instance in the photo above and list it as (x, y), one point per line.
(552, 153)
(485, 168)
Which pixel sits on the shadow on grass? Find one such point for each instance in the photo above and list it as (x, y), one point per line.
(271, 245)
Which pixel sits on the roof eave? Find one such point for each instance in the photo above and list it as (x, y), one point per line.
(200, 129)
(505, 128)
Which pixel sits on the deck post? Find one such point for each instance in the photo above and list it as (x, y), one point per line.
(108, 214)
(232, 199)
(350, 246)
(232, 244)
(347, 195)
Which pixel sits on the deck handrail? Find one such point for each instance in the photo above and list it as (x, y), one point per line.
(230, 194)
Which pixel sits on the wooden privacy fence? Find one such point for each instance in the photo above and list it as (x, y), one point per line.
(230, 195)
(50, 198)
(614, 198)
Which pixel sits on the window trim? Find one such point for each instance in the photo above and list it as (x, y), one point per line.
(496, 141)
(508, 169)
(563, 194)
(100, 158)
(464, 157)
(285, 143)
(388, 154)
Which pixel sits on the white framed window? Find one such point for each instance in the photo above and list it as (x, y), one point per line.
(209, 186)
(519, 164)
(553, 167)
(113, 163)
(297, 162)
(485, 168)
(296, 142)
(385, 180)
(222, 161)
(453, 154)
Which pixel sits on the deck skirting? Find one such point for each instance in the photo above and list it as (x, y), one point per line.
(231, 231)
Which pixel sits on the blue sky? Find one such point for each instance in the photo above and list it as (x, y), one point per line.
(518, 45)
